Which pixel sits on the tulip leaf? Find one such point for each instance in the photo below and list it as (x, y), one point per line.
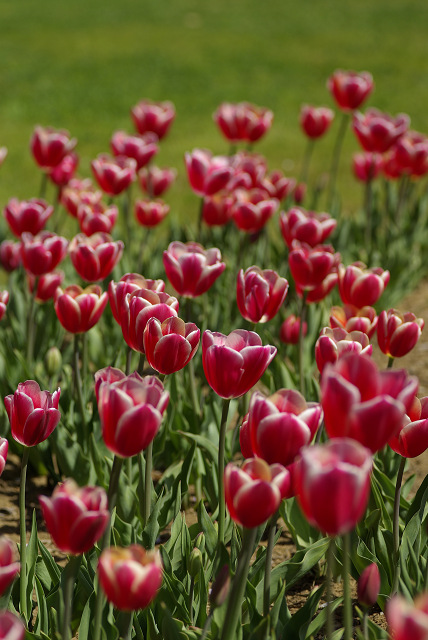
(420, 501)
(207, 528)
(87, 616)
(152, 528)
(31, 562)
(50, 564)
(42, 623)
(204, 443)
(361, 557)
(298, 625)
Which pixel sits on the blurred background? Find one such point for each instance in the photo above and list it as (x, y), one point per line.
(81, 65)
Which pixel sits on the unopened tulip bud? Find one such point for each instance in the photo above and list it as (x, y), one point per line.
(53, 361)
(200, 541)
(220, 588)
(368, 586)
(195, 562)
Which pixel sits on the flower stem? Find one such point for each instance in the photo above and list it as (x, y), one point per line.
(390, 362)
(31, 325)
(365, 624)
(329, 595)
(127, 625)
(396, 527)
(191, 594)
(147, 505)
(347, 600)
(301, 343)
(306, 161)
(23, 536)
(200, 218)
(268, 564)
(128, 361)
(78, 379)
(335, 159)
(236, 594)
(221, 448)
(70, 573)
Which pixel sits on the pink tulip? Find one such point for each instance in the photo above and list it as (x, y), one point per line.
(352, 319)
(377, 131)
(363, 403)
(207, 173)
(299, 192)
(245, 439)
(8, 568)
(191, 269)
(252, 209)
(78, 309)
(95, 257)
(11, 627)
(4, 446)
(10, 255)
(249, 171)
(33, 414)
(368, 585)
(170, 345)
(407, 620)
(359, 286)
(155, 181)
(321, 291)
(281, 425)
(398, 333)
(113, 174)
(411, 153)
(43, 252)
(335, 343)
(79, 192)
(76, 517)
(290, 330)
(315, 121)
(129, 283)
(46, 285)
(156, 117)
(309, 266)
(367, 166)
(96, 218)
(280, 187)
(49, 146)
(254, 492)
(65, 170)
(142, 148)
(108, 374)
(243, 122)
(390, 167)
(27, 215)
(131, 412)
(150, 213)
(349, 88)
(233, 364)
(260, 294)
(333, 484)
(217, 209)
(306, 226)
(412, 439)
(130, 577)
(4, 299)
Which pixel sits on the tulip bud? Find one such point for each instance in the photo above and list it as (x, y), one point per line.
(200, 541)
(195, 562)
(369, 585)
(53, 361)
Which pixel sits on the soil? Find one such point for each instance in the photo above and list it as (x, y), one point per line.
(415, 363)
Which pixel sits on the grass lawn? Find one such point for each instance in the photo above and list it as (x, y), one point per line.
(82, 64)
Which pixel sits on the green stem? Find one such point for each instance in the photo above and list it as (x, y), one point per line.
(141, 483)
(23, 536)
(390, 362)
(268, 564)
(127, 625)
(148, 483)
(368, 205)
(200, 218)
(207, 625)
(329, 594)
(306, 161)
(70, 573)
(43, 185)
(128, 361)
(79, 387)
(237, 592)
(301, 343)
(396, 527)
(365, 624)
(31, 325)
(347, 600)
(141, 364)
(335, 159)
(191, 594)
(221, 448)
(193, 390)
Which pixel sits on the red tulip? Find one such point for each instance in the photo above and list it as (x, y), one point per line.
(290, 330)
(65, 170)
(252, 209)
(156, 117)
(136, 310)
(76, 517)
(254, 492)
(96, 218)
(281, 425)
(412, 439)
(191, 269)
(377, 131)
(299, 192)
(95, 257)
(46, 285)
(333, 484)
(245, 439)
(411, 153)
(321, 291)
(315, 121)
(8, 568)
(349, 88)
(27, 215)
(249, 171)
(10, 255)
(131, 412)
(131, 577)
(78, 309)
(128, 283)
(49, 146)
(217, 209)
(11, 627)
(233, 364)
(359, 286)
(243, 121)
(150, 213)
(170, 345)
(390, 167)
(78, 192)
(398, 333)
(4, 446)
(260, 294)
(33, 414)
(280, 187)
(352, 319)
(4, 299)
(306, 226)
(207, 173)
(363, 403)
(43, 252)
(407, 620)
(142, 148)
(309, 266)
(335, 343)
(108, 374)
(113, 174)
(368, 585)
(367, 166)
(155, 181)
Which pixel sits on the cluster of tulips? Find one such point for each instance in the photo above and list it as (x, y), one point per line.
(250, 431)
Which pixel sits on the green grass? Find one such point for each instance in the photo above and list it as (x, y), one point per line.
(81, 65)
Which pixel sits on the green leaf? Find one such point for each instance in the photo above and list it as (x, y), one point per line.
(203, 443)
(50, 564)
(297, 626)
(31, 561)
(87, 617)
(207, 527)
(42, 623)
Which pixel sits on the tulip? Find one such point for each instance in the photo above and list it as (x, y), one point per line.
(280, 187)
(4, 299)
(412, 439)
(76, 517)
(33, 414)
(234, 363)
(217, 209)
(406, 619)
(309, 266)
(128, 283)
(398, 333)
(249, 171)
(130, 577)
(170, 345)
(65, 170)
(390, 167)
(281, 425)
(349, 88)
(113, 174)
(46, 285)
(79, 192)
(245, 439)
(4, 446)
(155, 181)
(333, 484)
(78, 309)
(367, 166)
(49, 146)
(252, 209)
(411, 153)
(141, 148)
(150, 213)
(321, 291)
(306, 226)
(363, 403)
(359, 286)
(352, 319)
(11, 627)
(96, 218)
(95, 257)
(368, 585)
(290, 330)
(108, 374)
(315, 121)
(191, 269)
(43, 252)
(243, 121)
(10, 255)
(377, 131)
(27, 215)
(335, 343)
(260, 294)
(207, 173)
(8, 568)
(254, 492)
(131, 412)
(156, 117)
